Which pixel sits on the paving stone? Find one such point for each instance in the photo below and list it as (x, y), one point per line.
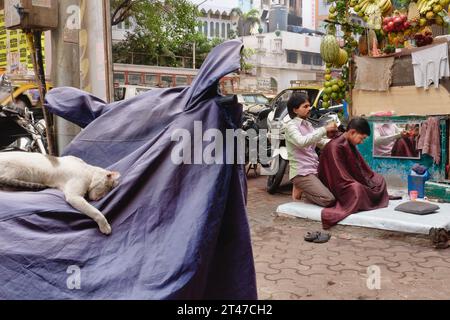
(287, 267)
(406, 266)
(432, 262)
(264, 267)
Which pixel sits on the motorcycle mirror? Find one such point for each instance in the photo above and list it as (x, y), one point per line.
(227, 101)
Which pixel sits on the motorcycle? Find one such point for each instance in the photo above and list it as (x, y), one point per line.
(19, 129)
(254, 124)
(276, 121)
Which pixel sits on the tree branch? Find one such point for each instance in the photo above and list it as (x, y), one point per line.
(122, 11)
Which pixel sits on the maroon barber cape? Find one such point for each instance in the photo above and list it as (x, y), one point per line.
(356, 187)
(405, 147)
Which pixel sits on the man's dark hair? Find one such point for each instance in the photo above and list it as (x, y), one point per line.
(296, 99)
(360, 125)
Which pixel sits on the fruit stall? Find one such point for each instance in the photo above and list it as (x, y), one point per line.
(394, 29)
(393, 68)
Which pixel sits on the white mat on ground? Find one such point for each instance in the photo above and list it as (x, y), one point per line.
(385, 219)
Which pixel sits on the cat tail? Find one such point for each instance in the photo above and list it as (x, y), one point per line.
(14, 183)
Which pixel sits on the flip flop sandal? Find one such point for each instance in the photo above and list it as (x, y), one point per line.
(441, 245)
(322, 238)
(311, 236)
(439, 238)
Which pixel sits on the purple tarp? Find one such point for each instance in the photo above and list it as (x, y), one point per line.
(178, 231)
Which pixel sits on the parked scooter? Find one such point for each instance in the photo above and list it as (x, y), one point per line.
(276, 122)
(254, 124)
(18, 129)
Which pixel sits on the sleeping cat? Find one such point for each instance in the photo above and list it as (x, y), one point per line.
(74, 177)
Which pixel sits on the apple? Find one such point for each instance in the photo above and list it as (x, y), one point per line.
(398, 21)
(391, 26)
(406, 24)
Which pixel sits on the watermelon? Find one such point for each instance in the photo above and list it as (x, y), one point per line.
(342, 58)
(329, 49)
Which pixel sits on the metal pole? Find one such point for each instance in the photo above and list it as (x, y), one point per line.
(193, 57)
(95, 49)
(40, 80)
(65, 71)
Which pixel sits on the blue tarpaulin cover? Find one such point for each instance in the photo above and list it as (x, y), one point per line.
(178, 231)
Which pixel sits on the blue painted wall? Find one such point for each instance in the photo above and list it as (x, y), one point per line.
(395, 169)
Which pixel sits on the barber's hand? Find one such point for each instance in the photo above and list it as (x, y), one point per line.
(331, 129)
(404, 134)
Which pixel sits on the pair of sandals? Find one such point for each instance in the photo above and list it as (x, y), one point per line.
(439, 238)
(317, 237)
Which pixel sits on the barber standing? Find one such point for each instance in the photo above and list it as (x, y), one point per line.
(301, 143)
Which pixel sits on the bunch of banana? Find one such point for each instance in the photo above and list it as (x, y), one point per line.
(363, 4)
(385, 6)
(370, 7)
(374, 16)
(426, 5)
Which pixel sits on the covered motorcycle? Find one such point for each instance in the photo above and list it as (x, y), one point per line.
(180, 231)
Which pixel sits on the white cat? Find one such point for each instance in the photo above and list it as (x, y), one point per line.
(74, 177)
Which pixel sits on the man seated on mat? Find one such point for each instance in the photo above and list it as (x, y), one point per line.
(343, 170)
(301, 142)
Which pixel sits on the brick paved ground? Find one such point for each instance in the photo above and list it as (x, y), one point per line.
(289, 268)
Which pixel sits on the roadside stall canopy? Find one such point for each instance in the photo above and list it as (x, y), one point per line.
(179, 231)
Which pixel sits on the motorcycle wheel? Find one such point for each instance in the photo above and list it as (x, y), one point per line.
(274, 181)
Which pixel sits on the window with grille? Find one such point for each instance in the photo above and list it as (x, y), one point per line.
(292, 56)
(306, 58)
(181, 80)
(127, 24)
(151, 79)
(134, 78)
(119, 78)
(317, 60)
(166, 81)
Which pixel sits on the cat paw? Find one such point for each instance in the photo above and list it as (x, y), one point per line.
(105, 228)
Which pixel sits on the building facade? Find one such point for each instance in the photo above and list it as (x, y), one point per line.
(217, 21)
(282, 58)
(315, 12)
(119, 31)
(293, 7)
